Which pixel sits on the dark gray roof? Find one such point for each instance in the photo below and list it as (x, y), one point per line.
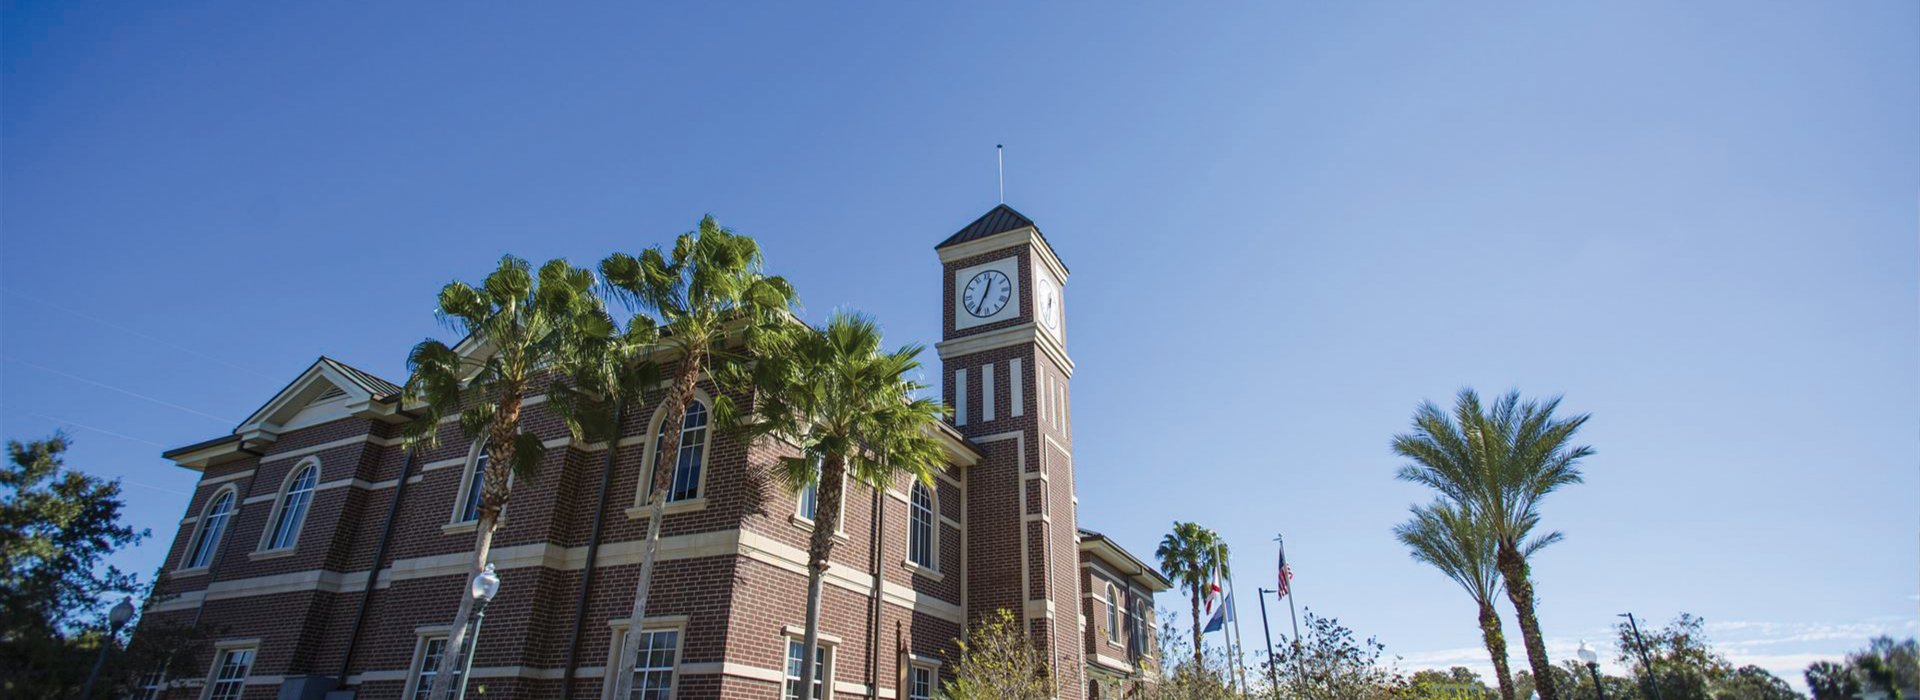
(1000, 219)
(380, 388)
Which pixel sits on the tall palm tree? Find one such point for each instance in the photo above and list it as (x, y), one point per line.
(1189, 555)
(1452, 540)
(852, 410)
(714, 306)
(519, 328)
(1497, 462)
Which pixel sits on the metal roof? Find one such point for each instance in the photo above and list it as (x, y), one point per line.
(1000, 219)
(380, 388)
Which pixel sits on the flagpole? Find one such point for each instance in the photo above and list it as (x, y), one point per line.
(1299, 670)
(1239, 638)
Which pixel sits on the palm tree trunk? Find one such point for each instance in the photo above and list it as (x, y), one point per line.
(663, 468)
(1199, 660)
(819, 546)
(495, 487)
(1496, 647)
(1513, 568)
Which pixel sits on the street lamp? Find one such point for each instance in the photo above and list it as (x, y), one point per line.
(116, 618)
(1593, 666)
(483, 588)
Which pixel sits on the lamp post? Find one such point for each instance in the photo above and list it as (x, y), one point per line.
(1593, 666)
(483, 588)
(116, 618)
(1646, 660)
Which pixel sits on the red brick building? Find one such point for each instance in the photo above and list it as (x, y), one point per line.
(327, 560)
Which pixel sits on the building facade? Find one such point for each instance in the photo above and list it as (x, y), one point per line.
(326, 560)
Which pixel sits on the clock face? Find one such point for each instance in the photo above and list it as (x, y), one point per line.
(987, 293)
(1049, 303)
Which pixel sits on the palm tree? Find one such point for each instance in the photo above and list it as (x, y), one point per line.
(704, 292)
(1190, 555)
(852, 410)
(1452, 540)
(1497, 463)
(517, 328)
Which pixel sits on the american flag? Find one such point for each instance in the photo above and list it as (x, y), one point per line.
(1286, 576)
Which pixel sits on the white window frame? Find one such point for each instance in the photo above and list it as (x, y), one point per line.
(699, 497)
(280, 502)
(221, 651)
(417, 668)
(917, 663)
(805, 520)
(467, 493)
(933, 526)
(1113, 613)
(823, 678)
(187, 559)
(151, 683)
(674, 623)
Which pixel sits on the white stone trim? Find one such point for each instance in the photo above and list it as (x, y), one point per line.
(1016, 388)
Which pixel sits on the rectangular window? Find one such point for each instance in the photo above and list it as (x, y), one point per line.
(809, 499)
(433, 650)
(820, 676)
(230, 674)
(653, 673)
(920, 683)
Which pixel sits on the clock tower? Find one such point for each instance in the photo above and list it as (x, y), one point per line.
(1006, 371)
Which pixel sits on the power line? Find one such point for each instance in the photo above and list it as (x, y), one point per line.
(111, 387)
(124, 329)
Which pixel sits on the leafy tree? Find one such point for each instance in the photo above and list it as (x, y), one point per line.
(1755, 683)
(1330, 665)
(1684, 662)
(1498, 462)
(998, 660)
(1832, 681)
(1457, 683)
(850, 408)
(1185, 679)
(1577, 681)
(1462, 546)
(1888, 666)
(520, 328)
(707, 289)
(1562, 677)
(57, 526)
(1190, 555)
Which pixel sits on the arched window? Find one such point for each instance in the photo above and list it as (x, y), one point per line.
(920, 532)
(213, 524)
(693, 453)
(1113, 614)
(291, 511)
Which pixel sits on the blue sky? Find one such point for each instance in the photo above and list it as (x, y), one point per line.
(1288, 223)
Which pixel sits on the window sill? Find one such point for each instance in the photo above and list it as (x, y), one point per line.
(195, 571)
(640, 512)
(807, 525)
(457, 528)
(271, 553)
(919, 570)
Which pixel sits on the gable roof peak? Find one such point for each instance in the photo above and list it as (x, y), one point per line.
(997, 220)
